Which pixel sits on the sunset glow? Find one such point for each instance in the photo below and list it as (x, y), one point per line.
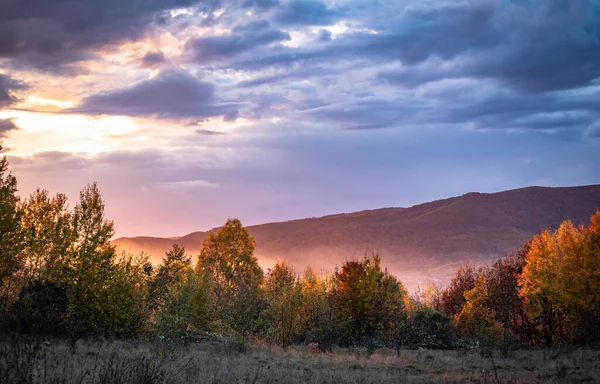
(274, 110)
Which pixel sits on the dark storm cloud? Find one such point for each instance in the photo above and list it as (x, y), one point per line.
(538, 59)
(410, 38)
(7, 87)
(306, 12)
(498, 108)
(153, 59)
(6, 125)
(242, 39)
(56, 35)
(533, 47)
(171, 94)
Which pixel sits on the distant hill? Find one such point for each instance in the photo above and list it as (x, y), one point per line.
(426, 241)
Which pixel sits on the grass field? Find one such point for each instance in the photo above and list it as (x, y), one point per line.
(142, 362)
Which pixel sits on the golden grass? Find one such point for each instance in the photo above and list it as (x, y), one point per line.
(143, 362)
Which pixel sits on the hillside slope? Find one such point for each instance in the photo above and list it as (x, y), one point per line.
(424, 241)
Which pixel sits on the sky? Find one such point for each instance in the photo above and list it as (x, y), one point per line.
(188, 112)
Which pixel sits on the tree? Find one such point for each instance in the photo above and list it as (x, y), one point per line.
(11, 258)
(541, 282)
(427, 328)
(185, 307)
(503, 297)
(227, 259)
(174, 268)
(453, 297)
(560, 283)
(316, 317)
(126, 292)
(432, 297)
(284, 297)
(368, 302)
(589, 282)
(90, 265)
(47, 236)
(476, 320)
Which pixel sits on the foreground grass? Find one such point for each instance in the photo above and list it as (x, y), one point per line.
(142, 362)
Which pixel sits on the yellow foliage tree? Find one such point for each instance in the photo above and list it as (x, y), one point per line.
(560, 283)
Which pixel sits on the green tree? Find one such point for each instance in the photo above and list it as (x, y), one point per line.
(368, 302)
(316, 317)
(185, 307)
(11, 258)
(173, 269)
(427, 328)
(284, 297)
(227, 259)
(90, 265)
(126, 293)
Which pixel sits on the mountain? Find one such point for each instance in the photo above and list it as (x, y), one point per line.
(423, 242)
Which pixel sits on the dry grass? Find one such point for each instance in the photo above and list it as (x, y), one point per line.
(142, 362)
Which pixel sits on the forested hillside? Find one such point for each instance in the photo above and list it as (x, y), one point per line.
(424, 241)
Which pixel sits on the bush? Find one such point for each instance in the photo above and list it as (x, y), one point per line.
(428, 328)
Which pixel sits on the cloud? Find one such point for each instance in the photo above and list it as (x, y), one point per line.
(306, 12)
(184, 186)
(260, 4)
(285, 76)
(534, 47)
(208, 132)
(324, 36)
(242, 39)
(57, 36)
(594, 129)
(171, 94)
(7, 125)
(7, 87)
(153, 59)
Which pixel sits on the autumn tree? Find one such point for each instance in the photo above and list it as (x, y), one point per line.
(453, 296)
(227, 259)
(560, 283)
(432, 297)
(283, 295)
(540, 280)
(476, 320)
(588, 282)
(504, 299)
(48, 236)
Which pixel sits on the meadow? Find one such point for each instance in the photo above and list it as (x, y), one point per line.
(111, 362)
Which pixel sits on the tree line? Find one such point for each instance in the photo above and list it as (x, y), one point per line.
(60, 276)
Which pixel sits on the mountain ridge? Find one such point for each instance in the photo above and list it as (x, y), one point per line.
(423, 242)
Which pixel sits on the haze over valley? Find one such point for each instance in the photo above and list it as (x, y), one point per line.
(418, 244)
